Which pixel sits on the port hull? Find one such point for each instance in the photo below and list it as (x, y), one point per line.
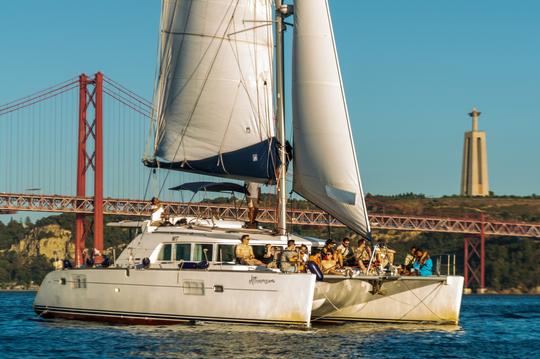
(164, 296)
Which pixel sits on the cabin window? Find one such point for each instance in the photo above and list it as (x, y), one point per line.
(165, 253)
(182, 252)
(78, 281)
(198, 253)
(226, 253)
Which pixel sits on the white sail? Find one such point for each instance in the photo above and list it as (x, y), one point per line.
(325, 167)
(214, 90)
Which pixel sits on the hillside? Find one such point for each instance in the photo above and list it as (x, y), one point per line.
(526, 209)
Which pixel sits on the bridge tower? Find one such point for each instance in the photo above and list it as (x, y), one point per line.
(474, 261)
(90, 157)
(474, 173)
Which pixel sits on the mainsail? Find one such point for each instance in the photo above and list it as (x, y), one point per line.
(214, 93)
(325, 167)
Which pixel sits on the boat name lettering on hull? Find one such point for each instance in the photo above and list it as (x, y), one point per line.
(254, 280)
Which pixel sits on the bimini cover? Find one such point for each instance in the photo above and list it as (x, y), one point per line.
(325, 167)
(213, 94)
(210, 187)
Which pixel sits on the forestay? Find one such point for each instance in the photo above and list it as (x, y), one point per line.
(325, 167)
(214, 90)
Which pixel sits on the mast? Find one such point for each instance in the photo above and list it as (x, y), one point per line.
(282, 11)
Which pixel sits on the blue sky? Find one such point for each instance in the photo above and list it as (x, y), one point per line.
(412, 70)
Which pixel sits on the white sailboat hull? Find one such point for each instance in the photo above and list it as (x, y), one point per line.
(435, 299)
(159, 296)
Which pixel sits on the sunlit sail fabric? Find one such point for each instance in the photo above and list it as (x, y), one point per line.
(325, 167)
(214, 89)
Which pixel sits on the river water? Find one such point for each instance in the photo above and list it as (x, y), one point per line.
(491, 326)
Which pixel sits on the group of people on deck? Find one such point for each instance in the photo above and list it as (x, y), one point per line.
(332, 259)
(417, 262)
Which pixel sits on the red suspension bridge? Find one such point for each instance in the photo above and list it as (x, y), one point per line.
(56, 144)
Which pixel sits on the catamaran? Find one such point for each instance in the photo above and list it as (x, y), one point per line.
(220, 111)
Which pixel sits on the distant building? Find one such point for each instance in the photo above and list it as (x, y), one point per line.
(474, 173)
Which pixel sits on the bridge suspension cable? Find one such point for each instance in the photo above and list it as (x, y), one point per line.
(39, 96)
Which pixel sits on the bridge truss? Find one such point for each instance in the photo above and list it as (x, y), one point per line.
(129, 207)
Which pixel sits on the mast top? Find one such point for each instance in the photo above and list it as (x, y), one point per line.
(284, 9)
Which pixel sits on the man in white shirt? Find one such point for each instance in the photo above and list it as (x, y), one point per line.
(156, 219)
(345, 253)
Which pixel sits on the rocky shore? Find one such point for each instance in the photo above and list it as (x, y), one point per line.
(15, 287)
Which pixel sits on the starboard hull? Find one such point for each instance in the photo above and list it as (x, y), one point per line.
(390, 299)
(160, 296)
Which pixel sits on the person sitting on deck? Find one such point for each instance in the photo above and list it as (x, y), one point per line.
(278, 251)
(303, 258)
(363, 255)
(58, 263)
(329, 264)
(406, 267)
(289, 258)
(88, 258)
(158, 212)
(345, 254)
(269, 254)
(328, 247)
(385, 255)
(316, 258)
(244, 253)
(423, 265)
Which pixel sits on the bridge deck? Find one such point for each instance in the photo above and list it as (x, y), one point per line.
(71, 204)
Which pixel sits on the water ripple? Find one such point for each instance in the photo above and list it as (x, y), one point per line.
(491, 326)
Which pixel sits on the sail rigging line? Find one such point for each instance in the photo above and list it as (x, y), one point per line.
(256, 111)
(270, 58)
(227, 128)
(242, 80)
(224, 37)
(421, 300)
(363, 202)
(337, 309)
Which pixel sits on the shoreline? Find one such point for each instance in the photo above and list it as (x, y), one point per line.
(12, 287)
